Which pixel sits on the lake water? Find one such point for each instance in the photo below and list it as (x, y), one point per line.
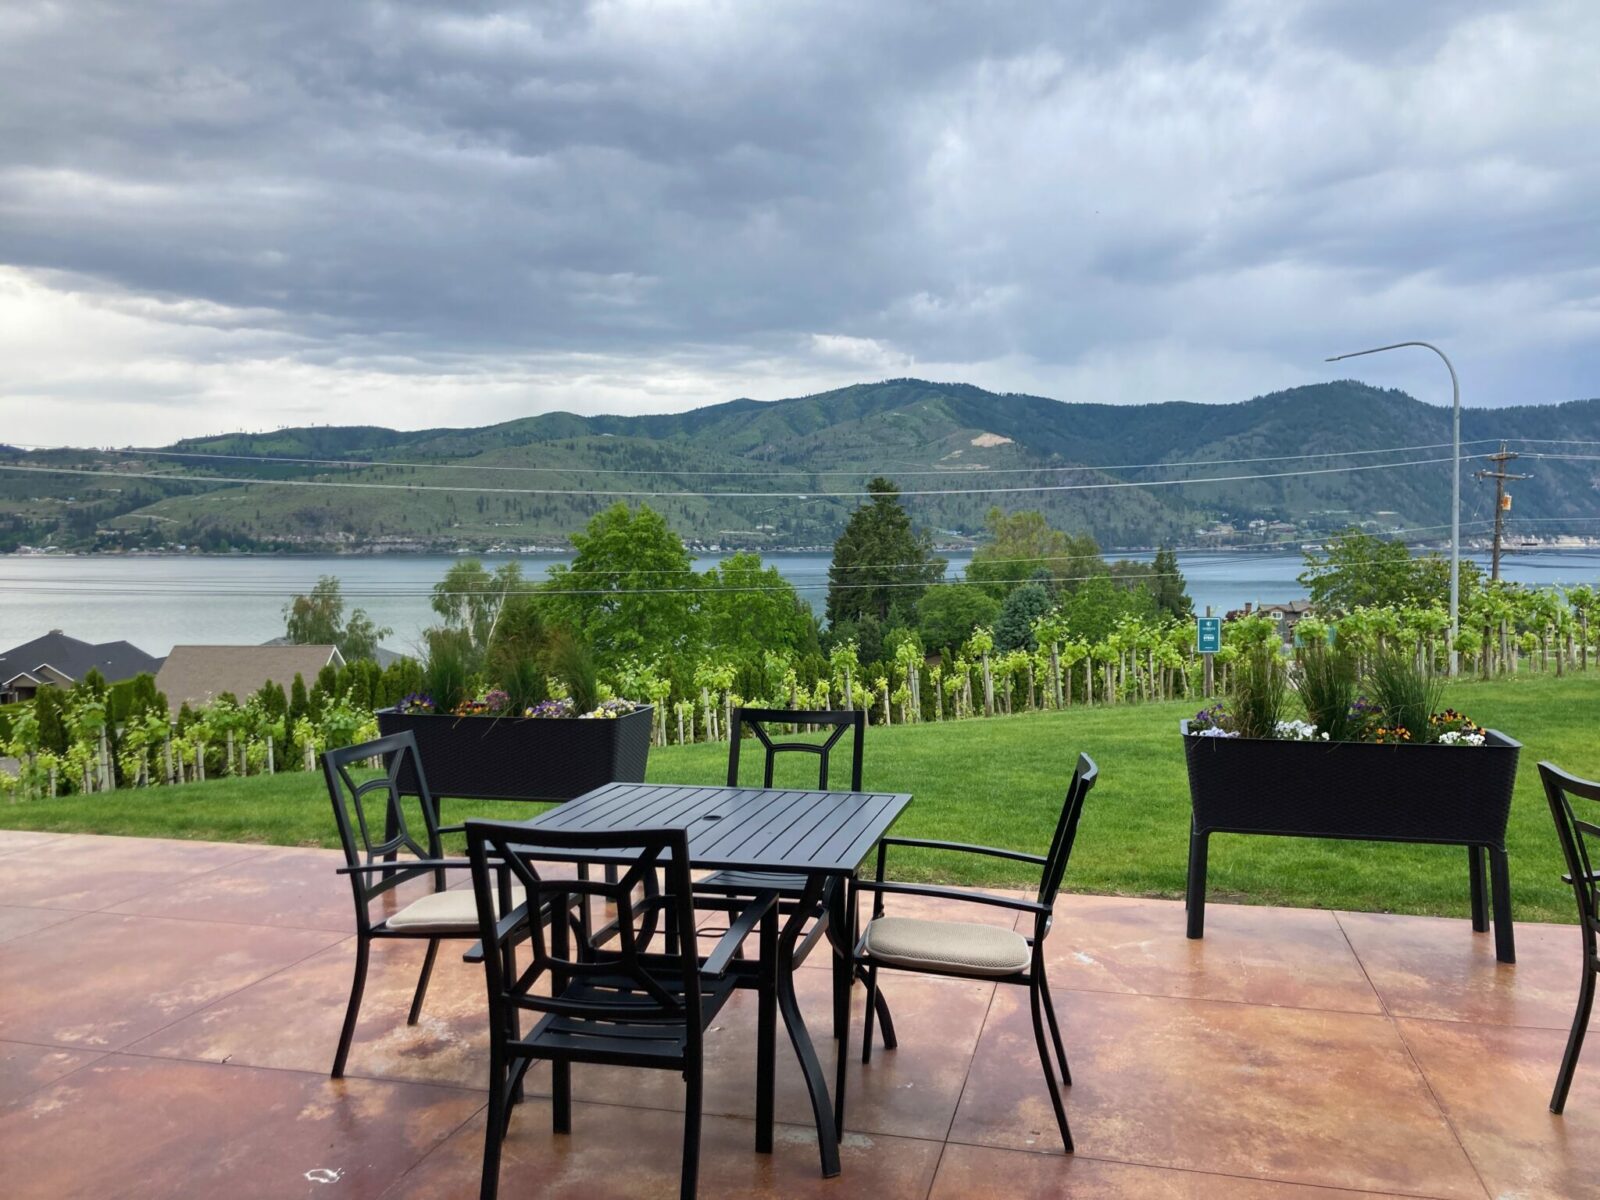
(156, 602)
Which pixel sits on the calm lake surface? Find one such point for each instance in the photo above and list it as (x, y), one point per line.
(157, 602)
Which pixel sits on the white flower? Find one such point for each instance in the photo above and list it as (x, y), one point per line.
(1298, 731)
(1214, 731)
(1457, 738)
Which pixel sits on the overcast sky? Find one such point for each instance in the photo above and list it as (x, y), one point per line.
(263, 212)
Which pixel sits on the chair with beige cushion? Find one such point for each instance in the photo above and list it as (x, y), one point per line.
(377, 868)
(978, 951)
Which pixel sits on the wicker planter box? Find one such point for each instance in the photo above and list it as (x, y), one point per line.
(524, 758)
(1443, 795)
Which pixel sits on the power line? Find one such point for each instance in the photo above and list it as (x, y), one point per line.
(582, 470)
(658, 494)
(1199, 556)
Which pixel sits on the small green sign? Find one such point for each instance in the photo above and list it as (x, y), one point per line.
(1208, 634)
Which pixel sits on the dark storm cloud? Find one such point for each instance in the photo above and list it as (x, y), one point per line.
(1112, 200)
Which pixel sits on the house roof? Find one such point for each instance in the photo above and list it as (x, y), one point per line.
(199, 674)
(381, 655)
(73, 658)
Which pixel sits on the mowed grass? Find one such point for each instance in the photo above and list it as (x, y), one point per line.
(999, 782)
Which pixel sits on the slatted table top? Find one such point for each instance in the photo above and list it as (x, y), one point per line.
(753, 829)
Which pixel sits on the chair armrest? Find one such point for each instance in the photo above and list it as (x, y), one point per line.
(943, 893)
(408, 865)
(739, 928)
(444, 829)
(1591, 877)
(963, 848)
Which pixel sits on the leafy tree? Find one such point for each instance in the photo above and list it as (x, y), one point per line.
(948, 612)
(1093, 611)
(880, 563)
(318, 619)
(630, 589)
(1360, 570)
(1168, 590)
(1013, 628)
(1023, 545)
(470, 598)
(750, 608)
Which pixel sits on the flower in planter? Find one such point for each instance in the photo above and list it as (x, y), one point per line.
(1451, 728)
(1298, 731)
(611, 709)
(1211, 722)
(1215, 731)
(1391, 735)
(550, 708)
(496, 700)
(416, 704)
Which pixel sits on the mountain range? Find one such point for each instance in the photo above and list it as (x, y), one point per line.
(774, 471)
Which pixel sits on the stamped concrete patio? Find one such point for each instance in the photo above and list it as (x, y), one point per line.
(168, 1011)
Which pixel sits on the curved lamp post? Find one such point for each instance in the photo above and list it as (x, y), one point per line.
(1455, 504)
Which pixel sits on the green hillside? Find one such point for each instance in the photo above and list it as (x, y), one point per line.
(958, 436)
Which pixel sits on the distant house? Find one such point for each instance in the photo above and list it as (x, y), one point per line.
(197, 675)
(1287, 614)
(56, 660)
(381, 655)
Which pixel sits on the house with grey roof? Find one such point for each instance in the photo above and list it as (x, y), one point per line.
(56, 660)
(197, 675)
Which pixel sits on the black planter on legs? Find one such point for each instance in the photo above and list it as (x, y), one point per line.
(1358, 791)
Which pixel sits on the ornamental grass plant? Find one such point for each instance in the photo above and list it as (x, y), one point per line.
(1406, 694)
(1328, 682)
(1260, 689)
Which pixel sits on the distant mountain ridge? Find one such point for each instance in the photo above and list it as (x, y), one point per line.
(952, 438)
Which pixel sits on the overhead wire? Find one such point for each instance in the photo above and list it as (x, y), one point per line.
(357, 463)
(657, 494)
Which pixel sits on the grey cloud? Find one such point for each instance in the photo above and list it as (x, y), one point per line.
(431, 184)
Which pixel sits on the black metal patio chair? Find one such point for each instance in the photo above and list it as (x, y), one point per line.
(724, 889)
(616, 1004)
(970, 950)
(379, 866)
(1560, 789)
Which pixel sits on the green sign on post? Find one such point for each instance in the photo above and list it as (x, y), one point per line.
(1208, 634)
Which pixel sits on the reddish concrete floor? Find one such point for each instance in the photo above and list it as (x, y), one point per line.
(168, 1011)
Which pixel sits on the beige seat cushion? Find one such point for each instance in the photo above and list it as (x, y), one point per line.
(444, 912)
(956, 946)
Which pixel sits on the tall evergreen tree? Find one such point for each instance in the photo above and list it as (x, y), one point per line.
(1168, 589)
(881, 565)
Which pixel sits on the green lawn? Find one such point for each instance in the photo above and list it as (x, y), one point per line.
(1000, 782)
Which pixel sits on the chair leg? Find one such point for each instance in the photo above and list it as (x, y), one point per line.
(422, 980)
(691, 1130)
(353, 1010)
(561, 1095)
(872, 1004)
(885, 1021)
(1049, 1071)
(1580, 1026)
(495, 1131)
(1055, 1028)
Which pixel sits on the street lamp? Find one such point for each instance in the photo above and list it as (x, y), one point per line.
(1455, 504)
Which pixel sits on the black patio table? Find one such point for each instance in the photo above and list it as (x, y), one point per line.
(820, 835)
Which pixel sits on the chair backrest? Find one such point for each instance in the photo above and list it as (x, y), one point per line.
(1084, 777)
(759, 718)
(496, 845)
(1574, 831)
(362, 842)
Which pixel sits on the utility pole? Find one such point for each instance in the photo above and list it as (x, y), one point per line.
(1502, 502)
